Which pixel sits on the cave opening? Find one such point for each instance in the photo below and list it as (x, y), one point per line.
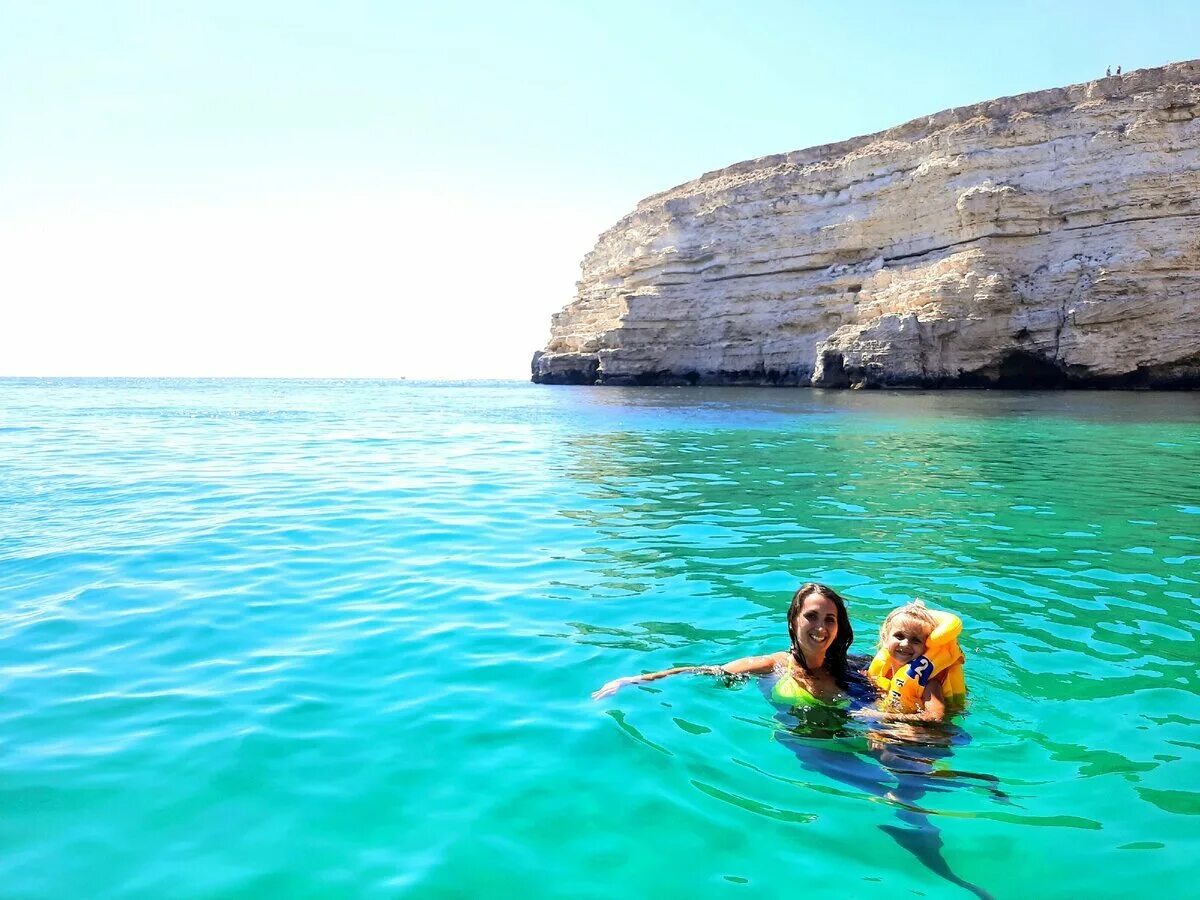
(1023, 370)
(834, 374)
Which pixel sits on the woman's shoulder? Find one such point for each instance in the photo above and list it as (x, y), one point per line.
(782, 659)
(758, 665)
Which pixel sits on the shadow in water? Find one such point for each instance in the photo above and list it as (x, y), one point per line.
(902, 762)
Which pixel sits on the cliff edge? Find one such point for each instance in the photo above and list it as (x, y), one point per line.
(1043, 240)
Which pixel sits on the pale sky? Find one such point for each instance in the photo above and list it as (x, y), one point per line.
(393, 189)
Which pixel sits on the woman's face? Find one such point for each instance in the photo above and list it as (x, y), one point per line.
(816, 624)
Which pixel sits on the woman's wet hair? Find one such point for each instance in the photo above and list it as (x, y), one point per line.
(914, 612)
(835, 656)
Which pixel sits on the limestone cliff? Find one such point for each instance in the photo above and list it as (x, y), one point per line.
(1046, 239)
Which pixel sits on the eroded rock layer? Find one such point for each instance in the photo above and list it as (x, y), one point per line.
(1048, 239)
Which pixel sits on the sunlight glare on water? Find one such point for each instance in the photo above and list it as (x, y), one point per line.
(289, 638)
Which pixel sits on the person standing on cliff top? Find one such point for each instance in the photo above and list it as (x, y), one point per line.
(1118, 70)
(1108, 72)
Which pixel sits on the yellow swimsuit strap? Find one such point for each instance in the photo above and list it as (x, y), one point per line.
(789, 690)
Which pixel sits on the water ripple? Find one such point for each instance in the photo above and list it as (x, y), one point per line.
(293, 638)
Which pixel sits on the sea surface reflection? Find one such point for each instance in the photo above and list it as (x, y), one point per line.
(310, 637)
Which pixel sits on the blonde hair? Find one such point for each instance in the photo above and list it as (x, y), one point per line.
(914, 612)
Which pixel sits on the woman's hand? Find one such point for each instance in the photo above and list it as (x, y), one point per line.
(613, 686)
(751, 664)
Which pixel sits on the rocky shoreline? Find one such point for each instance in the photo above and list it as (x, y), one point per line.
(1045, 240)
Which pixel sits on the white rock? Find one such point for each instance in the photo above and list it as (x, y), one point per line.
(1044, 239)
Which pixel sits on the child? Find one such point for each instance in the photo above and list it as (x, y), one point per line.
(919, 666)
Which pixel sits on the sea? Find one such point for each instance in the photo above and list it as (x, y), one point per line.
(289, 638)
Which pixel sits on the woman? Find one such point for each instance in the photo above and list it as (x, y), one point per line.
(814, 670)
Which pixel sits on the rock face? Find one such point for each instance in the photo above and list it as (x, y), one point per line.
(1049, 239)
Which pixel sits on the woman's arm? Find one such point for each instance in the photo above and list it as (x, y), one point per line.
(753, 665)
(613, 686)
(747, 665)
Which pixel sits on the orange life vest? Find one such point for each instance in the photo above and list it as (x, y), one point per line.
(904, 687)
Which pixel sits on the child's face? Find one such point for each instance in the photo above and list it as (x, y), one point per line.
(905, 641)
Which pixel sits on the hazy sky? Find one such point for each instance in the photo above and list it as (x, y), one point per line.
(391, 188)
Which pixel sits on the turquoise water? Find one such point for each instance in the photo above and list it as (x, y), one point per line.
(266, 638)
